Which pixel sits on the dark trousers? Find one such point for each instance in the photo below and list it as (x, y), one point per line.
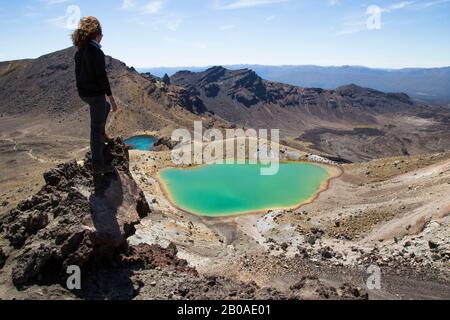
(99, 110)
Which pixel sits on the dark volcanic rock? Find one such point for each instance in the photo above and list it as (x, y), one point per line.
(327, 253)
(348, 291)
(212, 90)
(151, 256)
(3, 258)
(76, 219)
(179, 96)
(313, 235)
(311, 287)
(164, 142)
(31, 264)
(25, 225)
(243, 86)
(213, 74)
(433, 245)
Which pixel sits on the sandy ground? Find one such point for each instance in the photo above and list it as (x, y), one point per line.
(27, 149)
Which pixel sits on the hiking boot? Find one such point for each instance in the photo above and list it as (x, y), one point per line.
(103, 169)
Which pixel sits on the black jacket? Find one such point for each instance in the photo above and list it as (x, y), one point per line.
(90, 71)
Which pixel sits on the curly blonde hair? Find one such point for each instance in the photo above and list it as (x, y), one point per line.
(88, 29)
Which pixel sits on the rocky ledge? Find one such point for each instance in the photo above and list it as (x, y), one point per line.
(73, 220)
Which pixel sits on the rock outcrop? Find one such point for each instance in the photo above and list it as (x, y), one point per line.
(76, 219)
(179, 96)
(164, 143)
(147, 256)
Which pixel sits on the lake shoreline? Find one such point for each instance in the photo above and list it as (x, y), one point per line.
(333, 171)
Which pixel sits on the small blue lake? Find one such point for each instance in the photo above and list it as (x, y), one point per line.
(142, 143)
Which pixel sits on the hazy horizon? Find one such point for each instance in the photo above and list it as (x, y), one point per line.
(250, 64)
(292, 65)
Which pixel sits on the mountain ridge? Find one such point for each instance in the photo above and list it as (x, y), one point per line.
(312, 114)
(427, 84)
(43, 91)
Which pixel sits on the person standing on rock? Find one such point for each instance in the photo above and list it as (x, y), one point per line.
(93, 86)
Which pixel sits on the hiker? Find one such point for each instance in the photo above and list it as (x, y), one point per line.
(93, 86)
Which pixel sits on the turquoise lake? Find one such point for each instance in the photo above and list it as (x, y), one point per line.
(224, 190)
(143, 143)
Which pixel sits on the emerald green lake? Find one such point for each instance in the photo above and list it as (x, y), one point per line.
(225, 190)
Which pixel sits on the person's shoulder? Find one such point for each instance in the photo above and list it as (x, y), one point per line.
(95, 48)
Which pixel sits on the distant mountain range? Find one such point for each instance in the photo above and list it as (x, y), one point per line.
(350, 122)
(431, 85)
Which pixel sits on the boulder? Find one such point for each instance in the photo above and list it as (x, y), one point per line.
(164, 143)
(148, 256)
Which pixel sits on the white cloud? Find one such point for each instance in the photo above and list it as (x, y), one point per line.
(241, 4)
(434, 3)
(127, 4)
(413, 4)
(398, 6)
(160, 18)
(333, 2)
(153, 7)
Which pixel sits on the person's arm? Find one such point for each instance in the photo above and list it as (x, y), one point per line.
(100, 71)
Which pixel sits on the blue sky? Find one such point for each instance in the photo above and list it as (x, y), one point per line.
(152, 33)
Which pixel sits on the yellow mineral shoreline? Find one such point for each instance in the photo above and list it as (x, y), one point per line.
(333, 171)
